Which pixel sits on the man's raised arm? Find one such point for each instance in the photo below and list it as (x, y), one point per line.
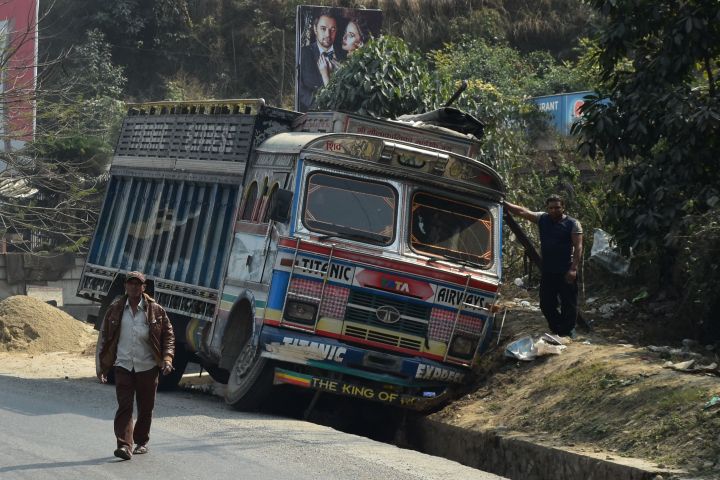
(521, 212)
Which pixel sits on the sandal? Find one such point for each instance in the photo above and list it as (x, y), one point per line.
(140, 449)
(123, 452)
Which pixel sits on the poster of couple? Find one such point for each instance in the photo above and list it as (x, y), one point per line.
(326, 37)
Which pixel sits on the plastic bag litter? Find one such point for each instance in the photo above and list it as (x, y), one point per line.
(522, 349)
(544, 348)
(605, 253)
(526, 349)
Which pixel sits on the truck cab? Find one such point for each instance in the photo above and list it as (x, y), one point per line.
(374, 275)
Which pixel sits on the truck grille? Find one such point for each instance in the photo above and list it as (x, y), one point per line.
(362, 307)
(382, 337)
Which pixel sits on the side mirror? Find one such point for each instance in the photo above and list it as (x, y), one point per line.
(280, 206)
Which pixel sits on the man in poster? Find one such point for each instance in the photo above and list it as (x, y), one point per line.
(317, 60)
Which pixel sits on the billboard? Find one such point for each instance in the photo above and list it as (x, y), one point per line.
(563, 108)
(325, 37)
(18, 52)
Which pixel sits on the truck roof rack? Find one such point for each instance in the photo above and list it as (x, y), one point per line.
(198, 107)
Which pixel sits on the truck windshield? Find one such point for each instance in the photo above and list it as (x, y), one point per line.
(352, 208)
(451, 229)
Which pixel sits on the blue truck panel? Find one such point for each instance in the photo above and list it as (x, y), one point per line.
(165, 228)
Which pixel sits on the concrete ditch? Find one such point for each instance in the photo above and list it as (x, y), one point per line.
(518, 458)
(503, 454)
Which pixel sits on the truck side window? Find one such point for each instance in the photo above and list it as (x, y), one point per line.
(250, 200)
(268, 202)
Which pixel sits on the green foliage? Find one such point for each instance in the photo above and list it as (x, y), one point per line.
(658, 120)
(85, 99)
(88, 155)
(698, 261)
(551, 25)
(382, 79)
(660, 65)
(500, 80)
(483, 23)
(510, 71)
(92, 68)
(584, 198)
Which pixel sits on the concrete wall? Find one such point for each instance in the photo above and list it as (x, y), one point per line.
(523, 459)
(75, 306)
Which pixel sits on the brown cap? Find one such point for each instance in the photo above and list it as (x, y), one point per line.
(136, 275)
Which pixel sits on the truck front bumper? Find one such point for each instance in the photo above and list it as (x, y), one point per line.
(334, 356)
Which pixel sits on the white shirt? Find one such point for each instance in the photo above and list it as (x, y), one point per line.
(134, 351)
(329, 50)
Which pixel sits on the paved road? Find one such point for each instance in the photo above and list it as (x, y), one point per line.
(62, 429)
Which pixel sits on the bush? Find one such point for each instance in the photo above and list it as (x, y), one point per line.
(700, 276)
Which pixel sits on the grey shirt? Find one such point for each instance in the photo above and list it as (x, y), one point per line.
(134, 351)
(577, 227)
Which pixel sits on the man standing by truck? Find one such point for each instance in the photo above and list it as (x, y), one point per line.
(561, 251)
(138, 341)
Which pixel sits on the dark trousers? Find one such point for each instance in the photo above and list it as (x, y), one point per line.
(128, 387)
(553, 290)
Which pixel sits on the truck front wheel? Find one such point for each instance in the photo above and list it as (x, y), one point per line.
(250, 379)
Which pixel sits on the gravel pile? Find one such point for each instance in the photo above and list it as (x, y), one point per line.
(32, 326)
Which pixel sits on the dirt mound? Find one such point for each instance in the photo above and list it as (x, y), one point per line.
(32, 326)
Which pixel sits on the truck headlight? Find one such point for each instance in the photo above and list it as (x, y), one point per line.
(300, 312)
(463, 346)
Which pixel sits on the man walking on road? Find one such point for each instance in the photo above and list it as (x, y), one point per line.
(138, 341)
(561, 251)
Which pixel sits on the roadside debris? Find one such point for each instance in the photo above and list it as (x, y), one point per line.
(527, 349)
(691, 366)
(666, 351)
(605, 253)
(715, 400)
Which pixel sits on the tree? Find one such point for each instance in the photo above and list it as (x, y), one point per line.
(659, 115)
(50, 192)
(382, 79)
(658, 118)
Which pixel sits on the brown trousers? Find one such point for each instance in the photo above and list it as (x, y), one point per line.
(128, 386)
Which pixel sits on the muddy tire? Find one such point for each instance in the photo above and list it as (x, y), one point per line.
(250, 380)
(218, 374)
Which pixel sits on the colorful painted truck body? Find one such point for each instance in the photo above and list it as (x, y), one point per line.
(340, 262)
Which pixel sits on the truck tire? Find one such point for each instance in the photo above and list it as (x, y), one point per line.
(180, 360)
(218, 374)
(250, 380)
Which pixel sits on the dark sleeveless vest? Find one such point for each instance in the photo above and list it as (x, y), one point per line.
(556, 243)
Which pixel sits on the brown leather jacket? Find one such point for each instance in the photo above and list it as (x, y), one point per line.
(162, 337)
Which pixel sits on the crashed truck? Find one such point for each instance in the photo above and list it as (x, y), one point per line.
(326, 251)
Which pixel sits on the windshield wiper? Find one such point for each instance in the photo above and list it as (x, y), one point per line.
(433, 259)
(468, 263)
(351, 234)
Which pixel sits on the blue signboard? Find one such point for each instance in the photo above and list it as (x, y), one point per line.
(564, 108)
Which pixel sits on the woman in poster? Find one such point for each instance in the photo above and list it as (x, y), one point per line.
(356, 34)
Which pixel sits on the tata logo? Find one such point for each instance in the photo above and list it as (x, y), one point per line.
(396, 285)
(388, 314)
